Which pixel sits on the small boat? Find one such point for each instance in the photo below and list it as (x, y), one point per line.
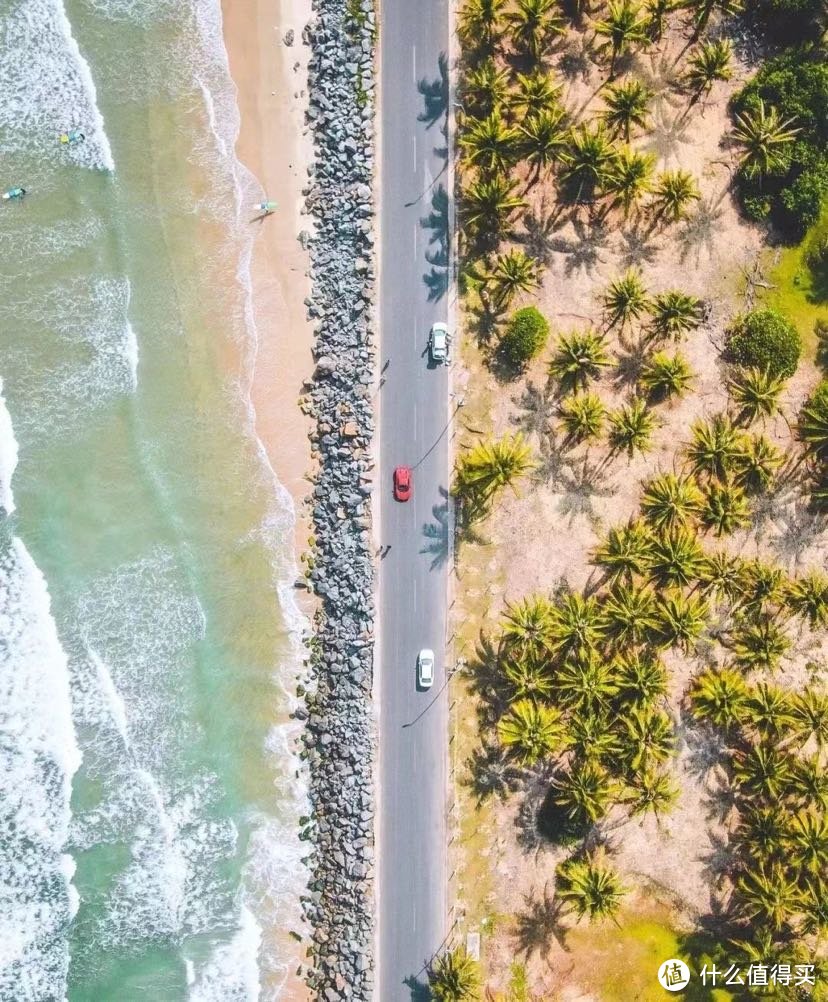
(72, 136)
(266, 207)
(13, 193)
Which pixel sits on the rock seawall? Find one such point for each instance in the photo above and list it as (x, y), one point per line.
(339, 738)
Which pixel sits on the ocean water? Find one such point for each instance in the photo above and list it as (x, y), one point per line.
(148, 637)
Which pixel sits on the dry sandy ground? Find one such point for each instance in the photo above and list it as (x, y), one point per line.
(542, 537)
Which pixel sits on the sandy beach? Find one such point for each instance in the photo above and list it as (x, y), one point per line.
(271, 76)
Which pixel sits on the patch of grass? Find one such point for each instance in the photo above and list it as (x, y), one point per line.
(800, 294)
(620, 963)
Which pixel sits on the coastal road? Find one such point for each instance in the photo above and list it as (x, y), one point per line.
(414, 431)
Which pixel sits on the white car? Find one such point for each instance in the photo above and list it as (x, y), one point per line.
(439, 341)
(425, 668)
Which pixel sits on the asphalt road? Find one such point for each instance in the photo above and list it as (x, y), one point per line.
(414, 431)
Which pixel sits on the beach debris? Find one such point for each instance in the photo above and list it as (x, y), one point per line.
(266, 207)
(290, 35)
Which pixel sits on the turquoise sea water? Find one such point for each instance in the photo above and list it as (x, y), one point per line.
(148, 797)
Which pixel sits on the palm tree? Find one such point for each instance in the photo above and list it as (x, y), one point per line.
(649, 739)
(806, 844)
(710, 62)
(627, 105)
(492, 465)
(768, 897)
(543, 139)
(632, 427)
(484, 88)
(815, 907)
(765, 140)
(624, 27)
(664, 376)
(584, 793)
(629, 179)
(481, 23)
(642, 679)
(763, 772)
(586, 685)
(626, 299)
(535, 92)
(575, 625)
(526, 627)
(583, 416)
(756, 392)
(629, 615)
(809, 783)
(757, 464)
(769, 711)
(674, 314)
(719, 697)
(513, 272)
(715, 448)
(488, 203)
(652, 791)
(722, 575)
(762, 587)
(588, 159)
(760, 833)
(454, 977)
(533, 25)
(725, 508)
(590, 887)
(813, 423)
(673, 193)
(676, 558)
(704, 8)
(490, 143)
(681, 619)
(808, 596)
(670, 501)
(625, 552)
(591, 737)
(657, 11)
(758, 643)
(528, 677)
(579, 357)
(533, 730)
(810, 713)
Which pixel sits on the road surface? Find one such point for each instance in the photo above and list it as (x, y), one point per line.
(414, 431)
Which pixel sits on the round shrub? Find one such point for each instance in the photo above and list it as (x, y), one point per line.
(525, 336)
(764, 339)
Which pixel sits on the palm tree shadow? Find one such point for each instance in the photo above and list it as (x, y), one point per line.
(492, 773)
(537, 407)
(800, 529)
(437, 532)
(576, 61)
(638, 247)
(584, 251)
(667, 135)
(420, 992)
(486, 681)
(580, 486)
(629, 364)
(435, 94)
(538, 923)
(540, 226)
(699, 232)
(437, 222)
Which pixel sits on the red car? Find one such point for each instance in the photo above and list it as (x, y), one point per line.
(402, 483)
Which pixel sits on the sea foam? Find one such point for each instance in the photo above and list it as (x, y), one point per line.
(38, 757)
(8, 456)
(47, 86)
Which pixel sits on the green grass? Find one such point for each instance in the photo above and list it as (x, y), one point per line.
(620, 963)
(796, 293)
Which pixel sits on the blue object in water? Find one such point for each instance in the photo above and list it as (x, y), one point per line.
(13, 193)
(72, 136)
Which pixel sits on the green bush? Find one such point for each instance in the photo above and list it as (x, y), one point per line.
(796, 84)
(787, 20)
(525, 336)
(766, 340)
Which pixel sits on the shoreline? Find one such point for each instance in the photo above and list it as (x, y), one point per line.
(270, 79)
(271, 146)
